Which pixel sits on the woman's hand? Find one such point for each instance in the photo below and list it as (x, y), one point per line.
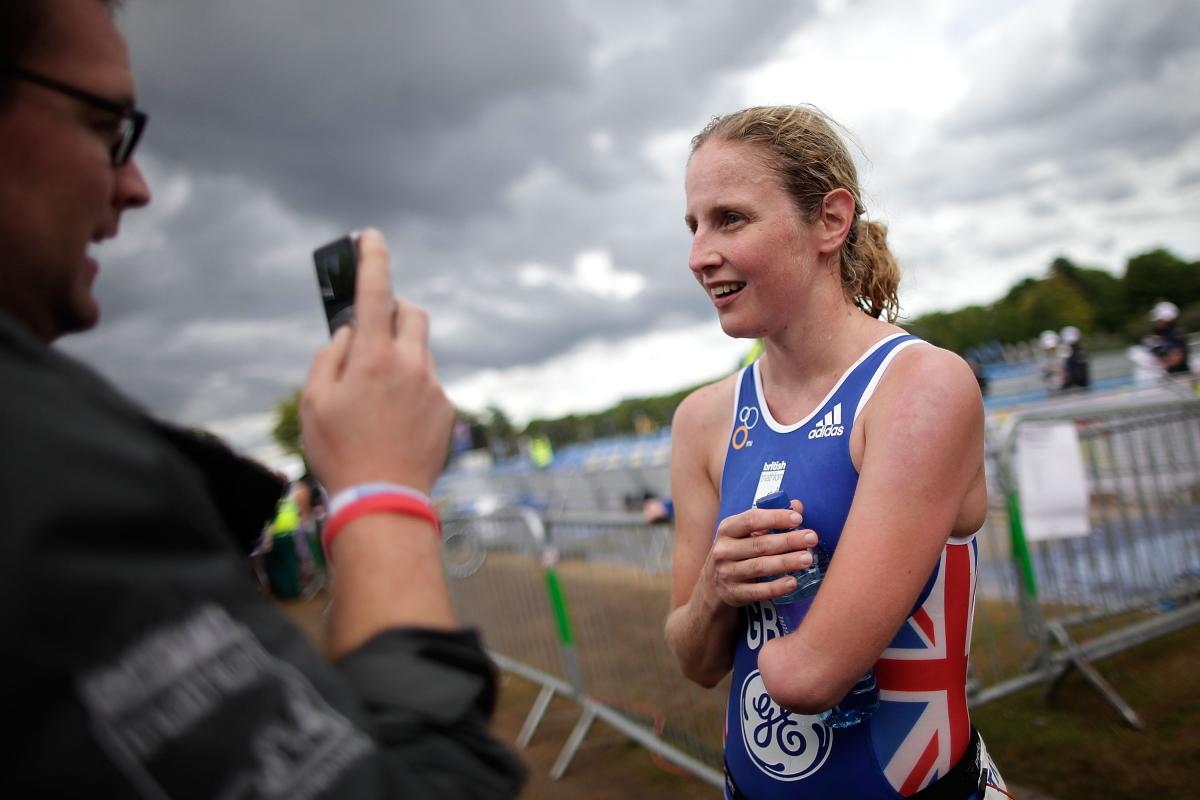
(745, 550)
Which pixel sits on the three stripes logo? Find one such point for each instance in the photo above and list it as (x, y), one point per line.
(830, 425)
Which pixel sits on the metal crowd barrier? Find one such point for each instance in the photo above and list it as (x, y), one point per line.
(576, 602)
(577, 605)
(1134, 574)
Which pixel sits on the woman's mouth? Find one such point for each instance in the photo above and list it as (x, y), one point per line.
(723, 291)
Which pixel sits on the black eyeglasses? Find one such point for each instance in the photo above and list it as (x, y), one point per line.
(132, 121)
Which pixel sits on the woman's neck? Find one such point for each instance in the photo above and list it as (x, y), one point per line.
(803, 362)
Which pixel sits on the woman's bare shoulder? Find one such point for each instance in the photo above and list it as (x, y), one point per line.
(708, 408)
(927, 394)
(924, 369)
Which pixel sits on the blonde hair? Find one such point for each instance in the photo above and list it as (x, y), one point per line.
(800, 145)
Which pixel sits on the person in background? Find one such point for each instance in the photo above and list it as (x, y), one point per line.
(1166, 343)
(1050, 361)
(877, 438)
(140, 659)
(1076, 371)
(656, 510)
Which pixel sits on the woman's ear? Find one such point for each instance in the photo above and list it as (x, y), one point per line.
(834, 219)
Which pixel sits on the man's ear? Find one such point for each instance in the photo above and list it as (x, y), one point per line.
(834, 219)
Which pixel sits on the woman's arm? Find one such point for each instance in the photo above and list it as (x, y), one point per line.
(712, 578)
(921, 461)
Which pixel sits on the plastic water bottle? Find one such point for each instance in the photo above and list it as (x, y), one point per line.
(808, 580)
(863, 698)
(859, 703)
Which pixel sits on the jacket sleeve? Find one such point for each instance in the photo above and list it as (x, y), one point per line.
(429, 695)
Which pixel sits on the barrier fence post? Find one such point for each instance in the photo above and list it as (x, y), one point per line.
(1020, 547)
(1027, 596)
(562, 618)
(566, 642)
(1031, 613)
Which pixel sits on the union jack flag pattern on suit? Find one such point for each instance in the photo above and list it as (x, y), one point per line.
(924, 671)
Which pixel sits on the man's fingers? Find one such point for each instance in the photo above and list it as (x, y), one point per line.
(373, 292)
(331, 358)
(412, 323)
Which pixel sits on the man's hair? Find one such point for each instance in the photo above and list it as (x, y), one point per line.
(21, 23)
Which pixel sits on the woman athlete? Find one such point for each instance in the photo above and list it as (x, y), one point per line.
(878, 435)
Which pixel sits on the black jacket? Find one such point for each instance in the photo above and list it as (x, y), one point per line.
(141, 660)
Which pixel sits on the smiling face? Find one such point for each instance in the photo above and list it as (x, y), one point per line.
(751, 249)
(58, 188)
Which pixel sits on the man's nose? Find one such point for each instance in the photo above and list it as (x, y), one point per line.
(132, 191)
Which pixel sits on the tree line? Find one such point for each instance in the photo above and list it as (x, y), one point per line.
(1110, 310)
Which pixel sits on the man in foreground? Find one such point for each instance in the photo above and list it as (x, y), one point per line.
(140, 659)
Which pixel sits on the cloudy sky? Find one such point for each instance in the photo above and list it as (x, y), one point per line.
(525, 160)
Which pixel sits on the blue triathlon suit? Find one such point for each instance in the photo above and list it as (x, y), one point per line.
(921, 728)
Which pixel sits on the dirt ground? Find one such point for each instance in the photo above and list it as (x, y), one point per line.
(607, 764)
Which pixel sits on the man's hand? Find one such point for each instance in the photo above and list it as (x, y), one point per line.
(372, 408)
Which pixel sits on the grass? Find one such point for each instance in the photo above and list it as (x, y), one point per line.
(1078, 746)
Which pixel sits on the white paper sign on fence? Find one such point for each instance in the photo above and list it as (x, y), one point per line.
(1050, 478)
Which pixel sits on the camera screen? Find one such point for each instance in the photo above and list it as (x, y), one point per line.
(337, 265)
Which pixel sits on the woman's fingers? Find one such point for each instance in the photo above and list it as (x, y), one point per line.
(735, 550)
(755, 521)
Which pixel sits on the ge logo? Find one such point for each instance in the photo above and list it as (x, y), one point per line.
(784, 745)
(748, 416)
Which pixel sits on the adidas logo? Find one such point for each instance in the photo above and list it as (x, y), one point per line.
(831, 425)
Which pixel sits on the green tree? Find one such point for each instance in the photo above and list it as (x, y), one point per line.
(1055, 303)
(1101, 289)
(286, 432)
(1159, 275)
(501, 435)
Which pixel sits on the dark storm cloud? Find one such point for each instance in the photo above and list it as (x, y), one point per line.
(1188, 178)
(346, 108)
(1113, 53)
(1118, 78)
(275, 125)
(1042, 209)
(556, 322)
(490, 138)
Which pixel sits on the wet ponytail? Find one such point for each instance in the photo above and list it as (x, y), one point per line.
(870, 273)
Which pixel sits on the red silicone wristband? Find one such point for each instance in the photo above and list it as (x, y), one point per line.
(375, 504)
